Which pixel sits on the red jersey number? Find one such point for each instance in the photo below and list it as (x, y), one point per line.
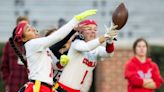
(86, 72)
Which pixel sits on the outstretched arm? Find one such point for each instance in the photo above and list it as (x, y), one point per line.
(45, 42)
(107, 51)
(90, 45)
(56, 47)
(83, 46)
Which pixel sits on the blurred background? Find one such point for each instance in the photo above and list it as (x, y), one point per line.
(145, 20)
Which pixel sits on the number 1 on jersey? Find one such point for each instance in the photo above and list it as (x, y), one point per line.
(84, 77)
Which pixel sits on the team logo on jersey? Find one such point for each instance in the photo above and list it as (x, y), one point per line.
(89, 63)
(143, 75)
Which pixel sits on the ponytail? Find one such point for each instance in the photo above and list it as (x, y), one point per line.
(18, 53)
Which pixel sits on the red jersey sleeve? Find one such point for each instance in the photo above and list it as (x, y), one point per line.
(156, 76)
(132, 76)
(109, 47)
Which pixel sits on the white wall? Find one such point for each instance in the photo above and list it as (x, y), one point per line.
(145, 16)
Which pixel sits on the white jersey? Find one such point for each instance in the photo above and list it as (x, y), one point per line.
(87, 83)
(39, 58)
(83, 58)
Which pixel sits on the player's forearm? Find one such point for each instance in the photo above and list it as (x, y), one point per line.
(103, 53)
(149, 83)
(61, 33)
(86, 46)
(56, 47)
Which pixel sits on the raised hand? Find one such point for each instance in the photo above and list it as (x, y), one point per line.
(111, 32)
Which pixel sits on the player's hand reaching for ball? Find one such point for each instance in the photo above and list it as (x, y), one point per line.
(85, 14)
(111, 32)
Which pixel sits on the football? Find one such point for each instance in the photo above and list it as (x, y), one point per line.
(120, 16)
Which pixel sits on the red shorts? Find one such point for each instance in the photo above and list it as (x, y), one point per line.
(68, 89)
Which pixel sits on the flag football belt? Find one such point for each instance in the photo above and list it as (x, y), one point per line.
(39, 83)
(58, 88)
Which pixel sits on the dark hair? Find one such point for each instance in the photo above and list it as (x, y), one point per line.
(15, 48)
(139, 40)
(21, 18)
(49, 31)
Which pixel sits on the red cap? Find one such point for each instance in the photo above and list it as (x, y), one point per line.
(87, 22)
(19, 32)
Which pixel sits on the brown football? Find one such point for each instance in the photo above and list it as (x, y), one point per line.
(120, 16)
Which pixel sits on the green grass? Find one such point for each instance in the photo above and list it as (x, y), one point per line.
(156, 53)
(1, 82)
(1, 47)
